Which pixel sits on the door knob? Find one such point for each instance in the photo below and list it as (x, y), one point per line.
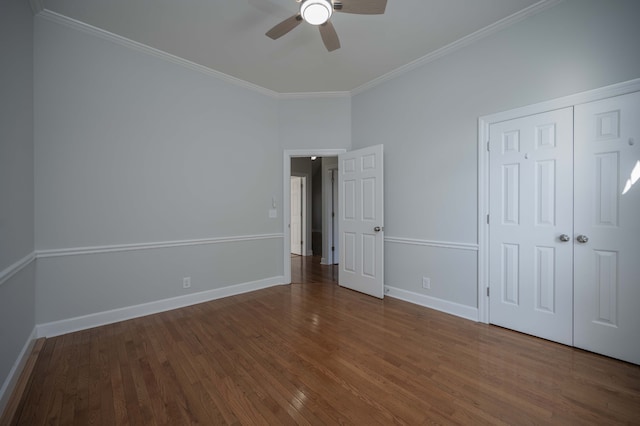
(582, 239)
(377, 229)
(564, 238)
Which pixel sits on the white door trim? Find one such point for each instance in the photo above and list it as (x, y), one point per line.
(286, 202)
(329, 227)
(304, 197)
(483, 168)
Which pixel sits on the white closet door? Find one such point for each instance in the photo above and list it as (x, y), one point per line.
(531, 216)
(607, 203)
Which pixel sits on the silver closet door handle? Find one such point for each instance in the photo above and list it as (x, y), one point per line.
(582, 239)
(377, 229)
(564, 238)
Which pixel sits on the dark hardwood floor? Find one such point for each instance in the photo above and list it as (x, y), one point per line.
(315, 353)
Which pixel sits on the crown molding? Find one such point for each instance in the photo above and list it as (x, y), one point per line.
(37, 6)
(123, 41)
(314, 95)
(38, 9)
(460, 43)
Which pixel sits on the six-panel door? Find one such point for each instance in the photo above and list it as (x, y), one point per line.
(607, 203)
(531, 208)
(361, 220)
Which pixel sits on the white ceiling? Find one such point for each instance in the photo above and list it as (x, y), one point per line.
(228, 36)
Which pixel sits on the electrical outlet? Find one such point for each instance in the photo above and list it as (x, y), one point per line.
(186, 282)
(426, 283)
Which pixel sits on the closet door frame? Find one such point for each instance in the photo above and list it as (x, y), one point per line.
(484, 123)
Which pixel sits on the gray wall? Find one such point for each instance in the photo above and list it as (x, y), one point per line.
(16, 131)
(133, 149)
(17, 299)
(427, 120)
(318, 122)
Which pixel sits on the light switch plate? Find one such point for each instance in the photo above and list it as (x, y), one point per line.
(273, 213)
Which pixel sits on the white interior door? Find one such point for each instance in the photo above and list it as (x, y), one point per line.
(531, 217)
(607, 202)
(297, 194)
(361, 220)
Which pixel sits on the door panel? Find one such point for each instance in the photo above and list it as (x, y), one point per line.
(607, 202)
(530, 270)
(361, 220)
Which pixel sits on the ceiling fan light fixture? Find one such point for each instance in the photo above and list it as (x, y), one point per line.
(316, 12)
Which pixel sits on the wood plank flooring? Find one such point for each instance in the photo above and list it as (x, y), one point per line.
(314, 353)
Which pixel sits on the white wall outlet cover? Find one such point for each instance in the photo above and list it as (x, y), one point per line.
(426, 282)
(273, 213)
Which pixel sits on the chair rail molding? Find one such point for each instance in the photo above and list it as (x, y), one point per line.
(431, 243)
(75, 251)
(16, 267)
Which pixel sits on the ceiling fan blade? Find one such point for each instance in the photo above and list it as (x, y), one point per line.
(329, 36)
(284, 27)
(362, 7)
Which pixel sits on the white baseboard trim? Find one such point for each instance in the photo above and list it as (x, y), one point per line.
(14, 374)
(445, 306)
(84, 322)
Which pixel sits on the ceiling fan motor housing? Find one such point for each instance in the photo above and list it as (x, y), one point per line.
(316, 12)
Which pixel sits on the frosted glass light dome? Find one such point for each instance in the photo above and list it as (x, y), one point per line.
(316, 12)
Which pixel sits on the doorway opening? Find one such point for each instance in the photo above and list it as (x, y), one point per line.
(319, 242)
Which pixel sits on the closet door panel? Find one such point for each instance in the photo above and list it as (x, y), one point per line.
(607, 227)
(531, 206)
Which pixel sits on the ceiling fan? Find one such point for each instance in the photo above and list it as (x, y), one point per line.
(318, 12)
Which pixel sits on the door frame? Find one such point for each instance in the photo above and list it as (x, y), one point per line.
(329, 224)
(303, 210)
(286, 200)
(332, 222)
(484, 123)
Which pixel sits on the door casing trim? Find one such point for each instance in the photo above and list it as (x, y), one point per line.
(286, 199)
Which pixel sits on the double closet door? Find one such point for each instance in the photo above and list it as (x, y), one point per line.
(564, 234)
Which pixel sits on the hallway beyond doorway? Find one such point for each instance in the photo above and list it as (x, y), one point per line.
(309, 270)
